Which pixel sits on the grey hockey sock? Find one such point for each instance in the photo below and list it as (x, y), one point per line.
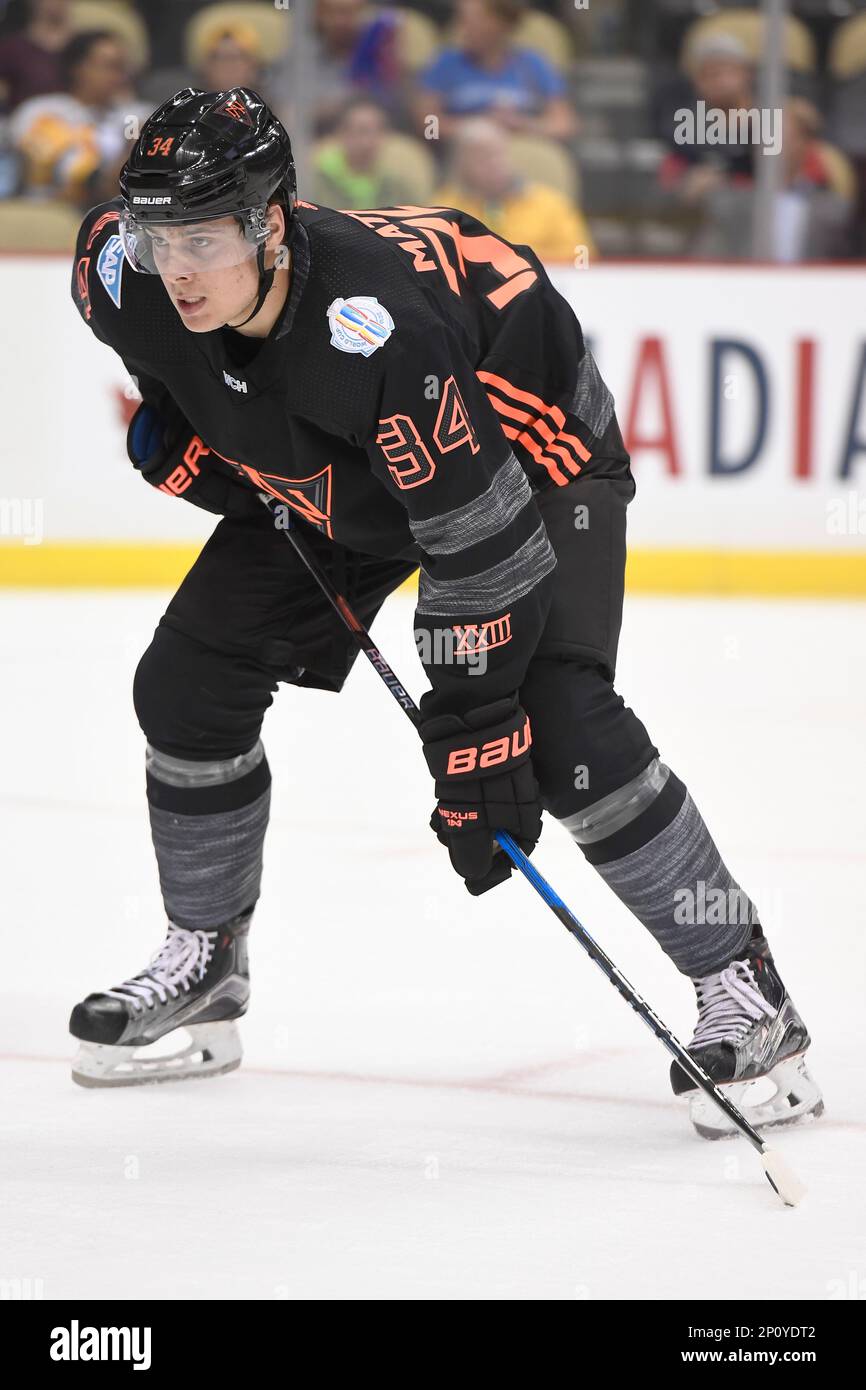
(208, 822)
(649, 843)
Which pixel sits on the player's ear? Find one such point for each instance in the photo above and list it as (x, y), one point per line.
(276, 220)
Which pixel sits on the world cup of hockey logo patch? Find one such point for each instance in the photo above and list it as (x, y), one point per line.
(359, 324)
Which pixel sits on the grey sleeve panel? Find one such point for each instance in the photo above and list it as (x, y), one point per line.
(593, 402)
(492, 589)
(210, 867)
(478, 520)
(680, 867)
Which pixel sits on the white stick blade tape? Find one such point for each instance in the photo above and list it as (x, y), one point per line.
(786, 1182)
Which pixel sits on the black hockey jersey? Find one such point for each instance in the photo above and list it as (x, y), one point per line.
(423, 382)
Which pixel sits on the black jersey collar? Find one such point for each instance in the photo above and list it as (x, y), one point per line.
(300, 251)
(266, 364)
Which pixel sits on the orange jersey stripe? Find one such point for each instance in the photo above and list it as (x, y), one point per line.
(577, 445)
(510, 411)
(553, 411)
(512, 288)
(491, 379)
(550, 440)
(536, 451)
(536, 423)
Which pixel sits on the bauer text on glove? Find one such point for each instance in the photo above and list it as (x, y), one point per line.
(484, 783)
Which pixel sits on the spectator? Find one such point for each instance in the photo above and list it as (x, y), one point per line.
(722, 78)
(74, 142)
(348, 172)
(818, 195)
(30, 59)
(487, 74)
(485, 184)
(812, 209)
(232, 57)
(355, 50)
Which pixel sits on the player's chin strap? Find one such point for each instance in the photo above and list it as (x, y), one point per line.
(266, 284)
(266, 277)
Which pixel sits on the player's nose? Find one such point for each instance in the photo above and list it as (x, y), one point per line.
(178, 281)
(175, 265)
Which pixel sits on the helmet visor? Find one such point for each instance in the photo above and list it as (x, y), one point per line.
(189, 248)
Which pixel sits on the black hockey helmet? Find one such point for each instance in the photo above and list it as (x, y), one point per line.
(201, 156)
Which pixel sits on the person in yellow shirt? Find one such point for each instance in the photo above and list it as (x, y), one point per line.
(484, 182)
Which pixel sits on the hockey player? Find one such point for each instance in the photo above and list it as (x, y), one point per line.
(419, 396)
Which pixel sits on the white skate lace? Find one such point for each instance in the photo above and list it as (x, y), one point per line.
(728, 1004)
(181, 960)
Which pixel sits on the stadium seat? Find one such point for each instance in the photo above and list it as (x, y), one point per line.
(418, 39)
(545, 161)
(655, 239)
(612, 237)
(272, 25)
(119, 19)
(847, 56)
(604, 176)
(29, 224)
(612, 96)
(747, 25)
(848, 116)
(547, 36)
(412, 160)
(643, 159)
(846, 61)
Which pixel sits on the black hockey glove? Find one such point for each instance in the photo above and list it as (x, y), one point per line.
(484, 783)
(171, 457)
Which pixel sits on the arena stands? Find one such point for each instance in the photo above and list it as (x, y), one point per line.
(587, 101)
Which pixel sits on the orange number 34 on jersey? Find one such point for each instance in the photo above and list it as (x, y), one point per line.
(409, 460)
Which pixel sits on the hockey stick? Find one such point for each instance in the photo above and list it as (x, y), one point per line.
(781, 1178)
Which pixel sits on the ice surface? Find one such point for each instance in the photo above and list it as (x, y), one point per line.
(441, 1097)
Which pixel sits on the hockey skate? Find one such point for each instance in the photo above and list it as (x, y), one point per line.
(751, 1041)
(198, 981)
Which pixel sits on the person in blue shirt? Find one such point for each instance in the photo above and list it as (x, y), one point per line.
(487, 73)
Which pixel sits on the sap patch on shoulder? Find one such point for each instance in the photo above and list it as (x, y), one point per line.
(359, 324)
(109, 268)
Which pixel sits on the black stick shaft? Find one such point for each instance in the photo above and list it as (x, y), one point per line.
(348, 617)
(518, 858)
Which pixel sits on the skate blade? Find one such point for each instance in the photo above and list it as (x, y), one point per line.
(212, 1050)
(787, 1095)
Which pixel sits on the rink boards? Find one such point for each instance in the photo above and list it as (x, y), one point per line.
(741, 392)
